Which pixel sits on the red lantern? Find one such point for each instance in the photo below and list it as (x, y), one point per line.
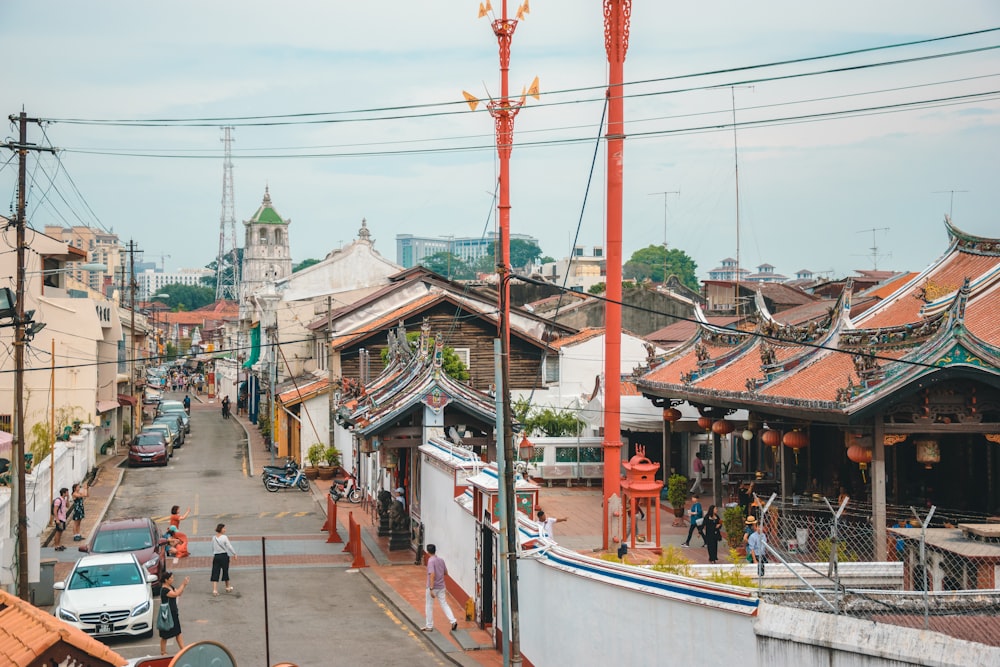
(671, 415)
(526, 449)
(705, 423)
(862, 456)
(771, 438)
(722, 427)
(796, 440)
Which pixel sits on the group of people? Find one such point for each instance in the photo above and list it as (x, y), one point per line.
(222, 553)
(709, 527)
(68, 506)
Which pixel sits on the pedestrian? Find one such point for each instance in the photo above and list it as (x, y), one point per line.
(168, 596)
(80, 491)
(187, 403)
(713, 533)
(757, 548)
(546, 525)
(176, 517)
(177, 544)
(695, 519)
(399, 495)
(225, 407)
(60, 506)
(699, 471)
(222, 551)
(749, 526)
(436, 570)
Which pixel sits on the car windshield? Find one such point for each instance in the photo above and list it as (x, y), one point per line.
(125, 539)
(111, 574)
(149, 439)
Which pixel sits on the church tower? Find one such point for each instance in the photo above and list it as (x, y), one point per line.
(266, 256)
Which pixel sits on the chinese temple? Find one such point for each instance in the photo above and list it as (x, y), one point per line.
(896, 406)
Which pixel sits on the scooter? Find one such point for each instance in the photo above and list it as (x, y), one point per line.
(347, 489)
(289, 467)
(287, 480)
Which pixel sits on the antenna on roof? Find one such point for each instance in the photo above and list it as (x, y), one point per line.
(951, 202)
(875, 254)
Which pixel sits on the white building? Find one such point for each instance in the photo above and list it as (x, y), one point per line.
(150, 282)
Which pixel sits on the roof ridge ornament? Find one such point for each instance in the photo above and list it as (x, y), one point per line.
(970, 243)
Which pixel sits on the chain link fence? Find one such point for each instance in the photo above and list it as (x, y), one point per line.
(941, 569)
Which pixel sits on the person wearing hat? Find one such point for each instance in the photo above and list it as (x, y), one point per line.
(748, 527)
(400, 495)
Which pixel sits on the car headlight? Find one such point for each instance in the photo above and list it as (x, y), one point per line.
(141, 609)
(65, 615)
(152, 562)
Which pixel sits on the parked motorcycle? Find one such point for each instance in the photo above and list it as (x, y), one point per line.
(289, 467)
(287, 480)
(347, 488)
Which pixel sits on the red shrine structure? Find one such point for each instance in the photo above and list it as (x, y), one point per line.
(641, 490)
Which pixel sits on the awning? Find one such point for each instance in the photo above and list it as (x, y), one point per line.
(254, 346)
(106, 406)
(125, 399)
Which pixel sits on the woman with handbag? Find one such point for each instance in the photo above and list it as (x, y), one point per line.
(713, 533)
(170, 627)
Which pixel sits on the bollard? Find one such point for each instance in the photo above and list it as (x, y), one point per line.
(354, 541)
(331, 521)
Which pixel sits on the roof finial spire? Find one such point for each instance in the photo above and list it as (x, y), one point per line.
(363, 233)
(267, 195)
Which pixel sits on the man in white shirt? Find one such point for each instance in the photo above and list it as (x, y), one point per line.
(546, 524)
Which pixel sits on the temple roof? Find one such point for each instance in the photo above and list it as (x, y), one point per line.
(842, 367)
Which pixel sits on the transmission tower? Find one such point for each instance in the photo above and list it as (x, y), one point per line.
(227, 266)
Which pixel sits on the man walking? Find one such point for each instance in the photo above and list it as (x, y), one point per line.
(696, 518)
(436, 569)
(60, 507)
(757, 547)
(699, 471)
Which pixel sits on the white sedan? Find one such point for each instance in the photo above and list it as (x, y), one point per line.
(107, 595)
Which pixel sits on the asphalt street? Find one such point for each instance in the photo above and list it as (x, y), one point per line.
(296, 598)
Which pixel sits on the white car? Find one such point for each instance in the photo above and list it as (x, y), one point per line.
(107, 595)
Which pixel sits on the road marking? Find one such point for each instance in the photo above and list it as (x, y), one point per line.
(405, 628)
(194, 521)
(279, 515)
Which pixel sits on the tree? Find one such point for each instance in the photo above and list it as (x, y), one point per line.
(187, 297)
(597, 288)
(522, 253)
(210, 281)
(656, 263)
(448, 265)
(304, 264)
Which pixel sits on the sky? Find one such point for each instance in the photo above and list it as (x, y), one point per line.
(351, 111)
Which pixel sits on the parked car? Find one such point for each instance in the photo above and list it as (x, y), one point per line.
(174, 421)
(149, 448)
(175, 407)
(151, 396)
(169, 434)
(139, 536)
(107, 595)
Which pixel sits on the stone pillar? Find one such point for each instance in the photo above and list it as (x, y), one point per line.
(878, 488)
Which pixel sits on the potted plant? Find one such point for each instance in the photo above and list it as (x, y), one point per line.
(314, 455)
(677, 491)
(331, 455)
(732, 523)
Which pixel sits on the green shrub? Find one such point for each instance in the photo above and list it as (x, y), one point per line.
(673, 561)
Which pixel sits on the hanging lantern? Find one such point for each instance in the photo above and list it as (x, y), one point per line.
(722, 427)
(928, 452)
(772, 439)
(796, 440)
(671, 415)
(705, 423)
(747, 435)
(525, 449)
(862, 456)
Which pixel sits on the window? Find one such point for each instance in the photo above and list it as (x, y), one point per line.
(551, 365)
(5, 423)
(320, 352)
(263, 237)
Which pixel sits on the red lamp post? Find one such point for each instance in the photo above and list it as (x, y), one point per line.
(617, 14)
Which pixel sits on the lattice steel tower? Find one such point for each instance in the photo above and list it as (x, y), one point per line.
(227, 262)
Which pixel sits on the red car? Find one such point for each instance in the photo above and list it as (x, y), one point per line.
(138, 536)
(148, 449)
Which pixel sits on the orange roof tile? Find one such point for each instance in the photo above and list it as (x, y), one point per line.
(981, 316)
(578, 337)
(27, 633)
(389, 319)
(303, 391)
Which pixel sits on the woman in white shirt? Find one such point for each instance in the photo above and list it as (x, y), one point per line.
(222, 550)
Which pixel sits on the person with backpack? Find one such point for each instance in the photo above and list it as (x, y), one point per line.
(60, 506)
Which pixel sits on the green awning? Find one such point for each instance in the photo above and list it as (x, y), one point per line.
(254, 346)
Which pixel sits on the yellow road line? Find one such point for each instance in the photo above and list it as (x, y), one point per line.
(402, 626)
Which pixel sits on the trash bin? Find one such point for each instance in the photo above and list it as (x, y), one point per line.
(41, 594)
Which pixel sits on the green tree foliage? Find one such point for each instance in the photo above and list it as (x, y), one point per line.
(545, 421)
(598, 288)
(209, 281)
(448, 265)
(522, 253)
(452, 364)
(305, 264)
(657, 263)
(187, 297)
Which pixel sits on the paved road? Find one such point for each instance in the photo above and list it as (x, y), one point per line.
(320, 612)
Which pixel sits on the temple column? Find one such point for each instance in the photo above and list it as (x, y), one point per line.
(878, 488)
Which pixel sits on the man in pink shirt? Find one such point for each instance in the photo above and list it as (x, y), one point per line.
(436, 569)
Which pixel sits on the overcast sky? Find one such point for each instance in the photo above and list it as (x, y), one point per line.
(391, 142)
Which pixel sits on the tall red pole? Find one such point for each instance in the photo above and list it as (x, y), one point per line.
(617, 14)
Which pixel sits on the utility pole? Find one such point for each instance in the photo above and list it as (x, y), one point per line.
(131, 370)
(19, 506)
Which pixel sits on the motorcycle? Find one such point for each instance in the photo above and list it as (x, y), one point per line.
(347, 488)
(287, 480)
(289, 467)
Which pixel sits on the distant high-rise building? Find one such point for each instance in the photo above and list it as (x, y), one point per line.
(102, 248)
(151, 282)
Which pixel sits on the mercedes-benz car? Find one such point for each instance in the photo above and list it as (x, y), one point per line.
(107, 595)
